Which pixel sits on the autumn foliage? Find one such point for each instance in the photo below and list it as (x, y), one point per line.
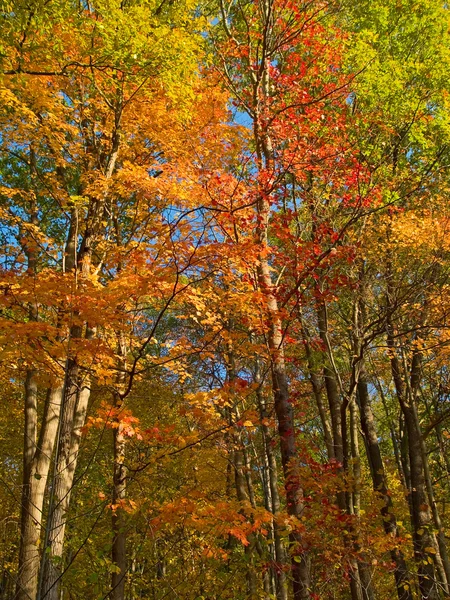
(224, 300)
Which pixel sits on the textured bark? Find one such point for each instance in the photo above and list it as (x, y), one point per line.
(285, 417)
(33, 499)
(73, 415)
(29, 528)
(77, 385)
(275, 505)
(119, 543)
(283, 407)
(118, 555)
(402, 578)
(441, 556)
(422, 525)
(37, 453)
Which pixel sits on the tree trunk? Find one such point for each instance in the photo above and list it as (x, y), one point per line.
(402, 582)
(77, 386)
(317, 391)
(33, 498)
(422, 527)
(286, 426)
(331, 387)
(73, 414)
(280, 553)
(119, 544)
(442, 560)
(338, 413)
(365, 574)
(118, 554)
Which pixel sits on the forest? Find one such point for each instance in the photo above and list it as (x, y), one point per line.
(224, 300)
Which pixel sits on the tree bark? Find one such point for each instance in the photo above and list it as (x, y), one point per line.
(442, 560)
(34, 486)
(422, 534)
(77, 384)
(286, 426)
(317, 392)
(283, 406)
(379, 479)
(275, 506)
(332, 391)
(73, 414)
(118, 554)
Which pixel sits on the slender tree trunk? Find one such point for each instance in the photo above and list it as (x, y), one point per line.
(442, 560)
(37, 453)
(356, 459)
(35, 482)
(77, 386)
(365, 574)
(256, 538)
(332, 391)
(286, 425)
(274, 501)
(283, 406)
(119, 549)
(280, 552)
(118, 554)
(73, 414)
(422, 527)
(360, 577)
(422, 523)
(317, 391)
(27, 581)
(340, 450)
(345, 502)
(243, 491)
(402, 579)
(242, 496)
